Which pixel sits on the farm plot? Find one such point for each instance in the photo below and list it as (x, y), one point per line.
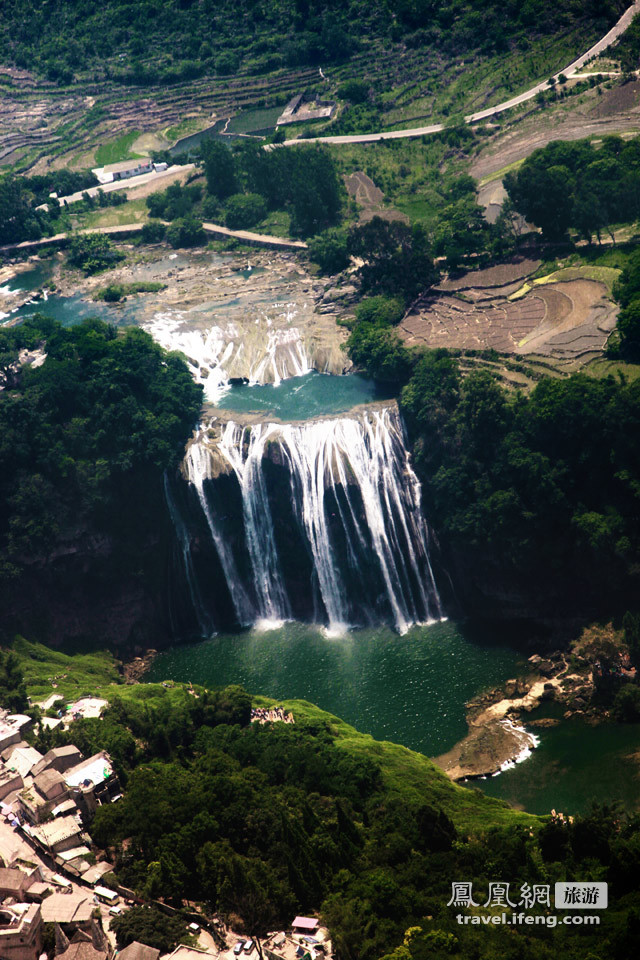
(568, 320)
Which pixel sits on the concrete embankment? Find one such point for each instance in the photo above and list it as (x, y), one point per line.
(131, 229)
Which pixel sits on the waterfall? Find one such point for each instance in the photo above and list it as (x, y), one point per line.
(198, 465)
(216, 353)
(246, 461)
(331, 527)
(199, 606)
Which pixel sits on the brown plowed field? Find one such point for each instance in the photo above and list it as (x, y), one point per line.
(566, 320)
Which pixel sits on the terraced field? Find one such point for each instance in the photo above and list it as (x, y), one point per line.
(566, 319)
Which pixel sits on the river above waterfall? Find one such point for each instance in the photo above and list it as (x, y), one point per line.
(259, 318)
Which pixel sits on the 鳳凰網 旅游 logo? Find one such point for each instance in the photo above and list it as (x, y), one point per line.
(529, 903)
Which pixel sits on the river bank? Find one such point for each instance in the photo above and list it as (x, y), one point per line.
(579, 681)
(251, 318)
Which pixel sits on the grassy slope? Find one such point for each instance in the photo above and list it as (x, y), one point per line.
(406, 773)
(82, 673)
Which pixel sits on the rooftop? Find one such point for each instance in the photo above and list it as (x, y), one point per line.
(67, 907)
(125, 165)
(22, 759)
(57, 830)
(82, 950)
(13, 881)
(96, 769)
(138, 951)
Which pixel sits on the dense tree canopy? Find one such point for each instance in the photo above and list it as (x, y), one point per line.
(543, 487)
(577, 185)
(627, 291)
(398, 259)
(105, 407)
(260, 822)
(182, 39)
(303, 181)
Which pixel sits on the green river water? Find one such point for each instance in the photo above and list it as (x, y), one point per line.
(411, 689)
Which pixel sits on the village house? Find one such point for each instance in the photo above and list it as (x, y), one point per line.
(92, 783)
(123, 170)
(15, 883)
(58, 835)
(139, 951)
(20, 931)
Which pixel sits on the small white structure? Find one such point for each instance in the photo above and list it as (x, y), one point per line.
(123, 170)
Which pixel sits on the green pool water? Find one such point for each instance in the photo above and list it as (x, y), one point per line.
(410, 689)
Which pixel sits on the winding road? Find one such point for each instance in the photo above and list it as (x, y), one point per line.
(616, 31)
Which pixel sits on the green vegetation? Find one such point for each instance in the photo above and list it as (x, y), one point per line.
(540, 490)
(94, 253)
(183, 40)
(84, 441)
(303, 182)
(244, 210)
(118, 291)
(13, 692)
(151, 926)
(574, 185)
(627, 291)
(174, 202)
(259, 822)
(75, 675)
(329, 250)
(117, 150)
(186, 232)
(398, 259)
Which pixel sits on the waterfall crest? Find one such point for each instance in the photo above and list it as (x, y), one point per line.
(331, 526)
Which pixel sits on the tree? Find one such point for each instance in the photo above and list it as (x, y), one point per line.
(187, 232)
(544, 196)
(220, 169)
(93, 253)
(398, 258)
(13, 693)
(329, 250)
(151, 926)
(244, 210)
(629, 329)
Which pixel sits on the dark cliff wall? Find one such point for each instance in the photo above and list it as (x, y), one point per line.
(102, 583)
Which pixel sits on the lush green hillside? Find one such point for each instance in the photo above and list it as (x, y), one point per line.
(182, 39)
(85, 438)
(259, 822)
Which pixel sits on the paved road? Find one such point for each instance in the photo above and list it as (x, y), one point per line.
(602, 44)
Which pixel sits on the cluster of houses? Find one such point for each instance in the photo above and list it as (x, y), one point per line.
(49, 876)
(52, 797)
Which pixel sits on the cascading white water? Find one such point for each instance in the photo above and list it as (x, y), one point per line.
(217, 353)
(199, 606)
(244, 450)
(198, 466)
(355, 501)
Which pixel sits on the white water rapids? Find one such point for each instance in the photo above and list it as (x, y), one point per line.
(265, 354)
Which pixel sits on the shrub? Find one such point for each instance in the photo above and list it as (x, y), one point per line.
(244, 210)
(329, 250)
